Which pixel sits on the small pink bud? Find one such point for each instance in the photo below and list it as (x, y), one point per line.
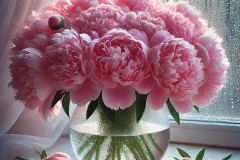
(56, 22)
(58, 156)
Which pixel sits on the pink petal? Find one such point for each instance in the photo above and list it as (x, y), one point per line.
(203, 54)
(58, 156)
(208, 40)
(109, 83)
(47, 111)
(182, 106)
(139, 35)
(157, 97)
(43, 87)
(130, 3)
(119, 97)
(159, 37)
(33, 57)
(207, 92)
(84, 93)
(145, 86)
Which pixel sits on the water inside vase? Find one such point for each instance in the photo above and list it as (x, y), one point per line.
(145, 141)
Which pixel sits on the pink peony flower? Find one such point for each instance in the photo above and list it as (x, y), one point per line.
(191, 13)
(178, 25)
(138, 5)
(119, 59)
(24, 67)
(142, 21)
(97, 21)
(178, 73)
(66, 59)
(209, 50)
(62, 7)
(32, 88)
(86, 4)
(58, 156)
(70, 8)
(35, 34)
(215, 65)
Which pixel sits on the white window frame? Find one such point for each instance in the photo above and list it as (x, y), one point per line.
(205, 133)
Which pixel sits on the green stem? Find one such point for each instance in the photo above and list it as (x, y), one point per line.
(132, 149)
(95, 146)
(119, 145)
(110, 148)
(136, 142)
(161, 152)
(97, 153)
(147, 147)
(137, 145)
(113, 148)
(87, 143)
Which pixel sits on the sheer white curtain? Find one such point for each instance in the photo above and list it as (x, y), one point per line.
(22, 132)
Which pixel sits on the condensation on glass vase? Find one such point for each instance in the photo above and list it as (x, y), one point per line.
(94, 139)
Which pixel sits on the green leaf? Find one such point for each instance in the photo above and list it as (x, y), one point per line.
(140, 105)
(20, 158)
(176, 158)
(197, 108)
(107, 111)
(61, 24)
(183, 153)
(43, 155)
(92, 107)
(228, 157)
(59, 94)
(200, 154)
(173, 112)
(66, 103)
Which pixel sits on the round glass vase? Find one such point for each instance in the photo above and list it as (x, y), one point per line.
(102, 138)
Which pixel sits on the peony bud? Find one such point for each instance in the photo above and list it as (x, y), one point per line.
(58, 156)
(56, 22)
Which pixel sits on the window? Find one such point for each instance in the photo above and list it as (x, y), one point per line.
(218, 124)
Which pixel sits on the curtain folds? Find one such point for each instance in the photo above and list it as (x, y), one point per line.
(22, 132)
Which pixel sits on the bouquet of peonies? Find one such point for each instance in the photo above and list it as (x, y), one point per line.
(119, 52)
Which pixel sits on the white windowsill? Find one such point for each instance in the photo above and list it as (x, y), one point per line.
(226, 135)
(63, 145)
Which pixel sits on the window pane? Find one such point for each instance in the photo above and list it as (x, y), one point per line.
(224, 16)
